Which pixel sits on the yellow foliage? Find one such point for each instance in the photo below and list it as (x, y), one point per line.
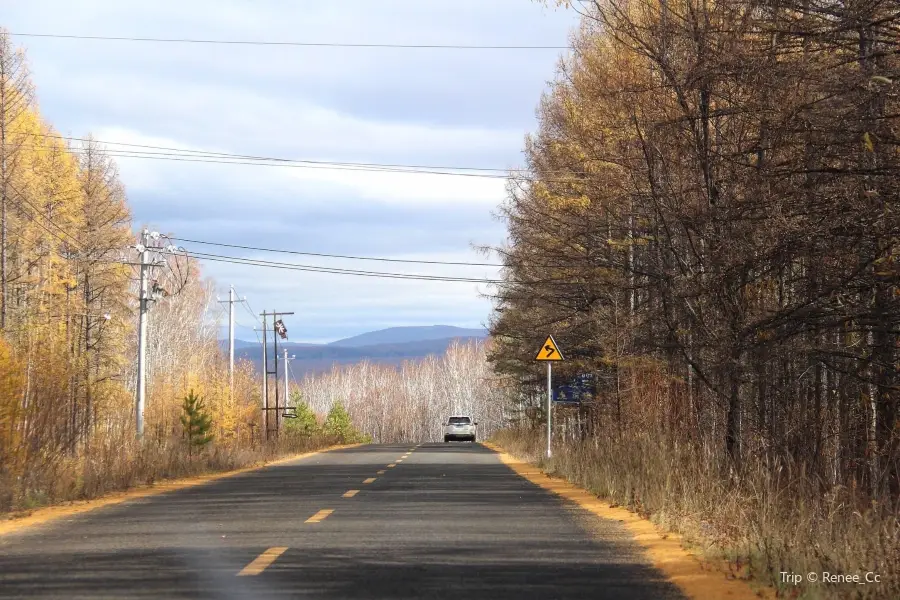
(11, 386)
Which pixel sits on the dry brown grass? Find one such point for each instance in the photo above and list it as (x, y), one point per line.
(119, 463)
(765, 522)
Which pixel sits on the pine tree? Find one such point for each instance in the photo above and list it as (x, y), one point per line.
(337, 424)
(304, 423)
(196, 422)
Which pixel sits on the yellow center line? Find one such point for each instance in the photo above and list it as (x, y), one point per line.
(320, 516)
(392, 465)
(369, 480)
(380, 472)
(259, 564)
(350, 493)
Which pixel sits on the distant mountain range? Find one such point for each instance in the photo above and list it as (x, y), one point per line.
(400, 335)
(388, 346)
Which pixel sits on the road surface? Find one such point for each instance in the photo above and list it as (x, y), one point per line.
(446, 521)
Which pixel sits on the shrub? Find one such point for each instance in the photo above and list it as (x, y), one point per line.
(304, 423)
(338, 425)
(196, 422)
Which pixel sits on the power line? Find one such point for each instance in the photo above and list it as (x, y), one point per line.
(204, 156)
(288, 43)
(333, 271)
(290, 375)
(243, 302)
(302, 267)
(190, 159)
(246, 304)
(212, 157)
(36, 220)
(38, 214)
(372, 258)
(214, 154)
(374, 168)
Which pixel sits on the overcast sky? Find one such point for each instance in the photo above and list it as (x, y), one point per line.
(402, 106)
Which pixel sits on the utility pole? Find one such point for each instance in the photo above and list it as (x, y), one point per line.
(146, 296)
(231, 337)
(286, 359)
(266, 372)
(275, 370)
(142, 336)
(230, 302)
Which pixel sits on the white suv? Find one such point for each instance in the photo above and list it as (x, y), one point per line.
(459, 428)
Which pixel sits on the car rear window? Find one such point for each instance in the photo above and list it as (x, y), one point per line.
(460, 421)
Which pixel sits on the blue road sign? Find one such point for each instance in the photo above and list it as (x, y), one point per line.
(576, 390)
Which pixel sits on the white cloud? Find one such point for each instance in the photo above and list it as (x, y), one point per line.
(385, 187)
(441, 107)
(341, 303)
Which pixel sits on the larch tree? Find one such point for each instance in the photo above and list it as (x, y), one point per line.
(16, 97)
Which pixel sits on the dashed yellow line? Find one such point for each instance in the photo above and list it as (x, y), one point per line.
(50, 514)
(259, 564)
(369, 480)
(350, 493)
(320, 516)
(392, 465)
(380, 472)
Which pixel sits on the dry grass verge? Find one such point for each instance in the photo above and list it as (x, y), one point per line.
(113, 465)
(756, 527)
(26, 520)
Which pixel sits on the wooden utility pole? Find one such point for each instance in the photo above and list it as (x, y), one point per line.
(274, 371)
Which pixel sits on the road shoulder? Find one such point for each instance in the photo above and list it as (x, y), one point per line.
(42, 516)
(664, 551)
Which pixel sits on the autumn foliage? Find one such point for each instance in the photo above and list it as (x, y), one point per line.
(709, 223)
(68, 312)
(410, 403)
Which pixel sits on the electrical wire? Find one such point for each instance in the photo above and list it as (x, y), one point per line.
(291, 378)
(229, 155)
(293, 267)
(565, 178)
(38, 215)
(331, 270)
(246, 304)
(169, 153)
(283, 265)
(320, 254)
(37, 222)
(177, 157)
(287, 43)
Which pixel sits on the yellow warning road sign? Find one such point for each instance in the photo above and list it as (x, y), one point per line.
(549, 350)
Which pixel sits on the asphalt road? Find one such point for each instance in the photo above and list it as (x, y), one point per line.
(448, 521)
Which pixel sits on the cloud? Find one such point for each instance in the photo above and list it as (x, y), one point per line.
(286, 181)
(332, 306)
(435, 107)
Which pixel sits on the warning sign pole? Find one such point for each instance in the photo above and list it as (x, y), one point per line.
(550, 353)
(549, 404)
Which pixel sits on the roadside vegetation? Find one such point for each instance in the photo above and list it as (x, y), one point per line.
(67, 331)
(709, 224)
(410, 403)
